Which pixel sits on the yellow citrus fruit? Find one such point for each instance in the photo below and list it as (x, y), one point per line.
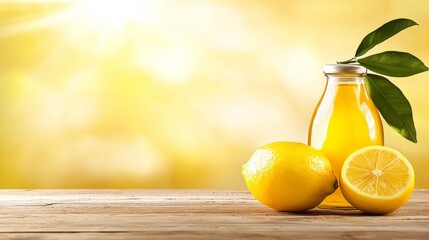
(289, 176)
(377, 179)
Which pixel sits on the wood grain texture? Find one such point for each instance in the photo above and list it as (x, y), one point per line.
(192, 214)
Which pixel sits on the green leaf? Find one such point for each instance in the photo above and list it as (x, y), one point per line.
(383, 33)
(392, 104)
(395, 64)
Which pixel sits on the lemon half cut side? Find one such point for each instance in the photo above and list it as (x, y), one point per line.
(377, 179)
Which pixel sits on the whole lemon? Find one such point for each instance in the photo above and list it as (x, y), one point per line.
(289, 176)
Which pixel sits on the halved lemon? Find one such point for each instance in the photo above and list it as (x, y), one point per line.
(377, 179)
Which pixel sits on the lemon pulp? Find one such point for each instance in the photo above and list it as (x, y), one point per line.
(377, 179)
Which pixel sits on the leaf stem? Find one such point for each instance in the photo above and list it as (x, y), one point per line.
(351, 60)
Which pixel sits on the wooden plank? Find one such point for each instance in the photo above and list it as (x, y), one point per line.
(209, 235)
(191, 214)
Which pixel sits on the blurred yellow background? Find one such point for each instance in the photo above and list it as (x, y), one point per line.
(178, 94)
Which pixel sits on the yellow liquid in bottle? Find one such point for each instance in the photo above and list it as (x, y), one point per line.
(344, 120)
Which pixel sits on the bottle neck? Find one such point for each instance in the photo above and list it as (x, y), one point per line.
(346, 80)
(339, 88)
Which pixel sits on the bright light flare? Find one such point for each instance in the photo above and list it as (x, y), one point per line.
(116, 13)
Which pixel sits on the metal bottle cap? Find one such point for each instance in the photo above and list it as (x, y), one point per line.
(344, 69)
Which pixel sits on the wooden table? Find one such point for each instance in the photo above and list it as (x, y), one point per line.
(192, 214)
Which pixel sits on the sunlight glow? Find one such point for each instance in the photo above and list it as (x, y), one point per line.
(172, 65)
(116, 13)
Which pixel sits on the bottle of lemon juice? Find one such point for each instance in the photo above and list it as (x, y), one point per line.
(344, 120)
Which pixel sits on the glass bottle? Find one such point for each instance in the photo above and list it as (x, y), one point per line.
(344, 120)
